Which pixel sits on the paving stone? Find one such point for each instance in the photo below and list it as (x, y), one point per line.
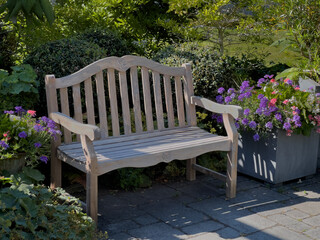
(157, 231)
(207, 226)
(225, 233)
(275, 233)
(256, 197)
(313, 233)
(289, 222)
(270, 209)
(240, 219)
(313, 221)
(309, 207)
(228, 233)
(246, 185)
(120, 236)
(121, 226)
(158, 192)
(311, 191)
(145, 219)
(296, 214)
(174, 213)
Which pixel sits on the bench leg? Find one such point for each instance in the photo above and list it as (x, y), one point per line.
(191, 173)
(55, 168)
(92, 196)
(231, 183)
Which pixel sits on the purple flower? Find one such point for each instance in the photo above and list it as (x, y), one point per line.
(260, 81)
(267, 112)
(256, 137)
(44, 159)
(37, 145)
(51, 123)
(245, 121)
(38, 128)
(9, 112)
(286, 126)
(246, 111)
(241, 97)
(219, 99)
(233, 95)
(244, 86)
(298, 123)
(269, 125)
(23, 134)
(260, 96)
(273, 109)
(259, 111)
(45, 119)
(237, 125)
(221, 90)
(278, 117)
(317, 94)
(247, 94)
(253, 124)
(296, 118)
(268, 76)
(231, 90)
(4, 144)
(19, 109)
(219, 119)
(227, 99)
(263, 102)
(311, 88)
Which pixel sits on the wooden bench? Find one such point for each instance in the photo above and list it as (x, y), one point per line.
(157, 121)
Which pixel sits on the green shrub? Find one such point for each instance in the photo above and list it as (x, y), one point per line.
(61, 58)
(32, 211)
(211, 71)
(18, 88)
(106, 39)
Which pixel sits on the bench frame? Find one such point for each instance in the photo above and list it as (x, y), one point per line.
(87, 133)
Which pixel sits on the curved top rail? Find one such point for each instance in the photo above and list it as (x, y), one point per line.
(120, 64)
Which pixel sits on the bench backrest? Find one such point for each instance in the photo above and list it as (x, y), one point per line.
(124, 95)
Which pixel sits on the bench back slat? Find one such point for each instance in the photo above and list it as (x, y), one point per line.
(102, 104)
(125, 103)
(65, 110)
(125, 96)
(77, 105)
(89, 101)
(113, 102)
(179, 100)
(158, 99)
(147, 98)
(136, 99)
(169, 103)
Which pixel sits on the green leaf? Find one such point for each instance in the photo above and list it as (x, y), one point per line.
(29, 206)
(33, 174)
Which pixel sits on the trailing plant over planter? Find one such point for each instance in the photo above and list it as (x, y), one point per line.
(23, 134)
(274, 104)
(32, 211)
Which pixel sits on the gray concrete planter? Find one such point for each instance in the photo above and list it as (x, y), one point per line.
(278, 158)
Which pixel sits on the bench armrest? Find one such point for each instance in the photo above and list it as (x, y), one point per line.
(91, 131)
(234, 111)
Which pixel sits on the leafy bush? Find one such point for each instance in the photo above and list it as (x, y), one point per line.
(108, 40)
(61, 58)
(18, 88)
(31, 211)
(211, 71)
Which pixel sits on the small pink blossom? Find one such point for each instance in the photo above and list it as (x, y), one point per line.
(296, 88)
(285, 101)
(318, 130)
(272, 102)
(289, 132)
(32, 113)
(274, 92)
(272, 80)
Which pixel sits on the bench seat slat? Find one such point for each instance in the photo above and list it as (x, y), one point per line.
(148, 151)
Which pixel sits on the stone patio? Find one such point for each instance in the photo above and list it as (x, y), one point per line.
(198, 210)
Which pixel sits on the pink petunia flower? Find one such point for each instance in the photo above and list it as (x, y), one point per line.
(296, 88)
(285, 101)
(272, 80)
(289, 132)
(272, 102)
(274, 92)
(32, 113)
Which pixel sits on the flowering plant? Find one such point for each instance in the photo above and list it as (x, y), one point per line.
(22, 133)
(274, 105)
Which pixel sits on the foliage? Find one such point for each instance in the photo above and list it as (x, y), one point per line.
(274, 105)
(218, 21)
(33, 10)
(61, 58)
(209, 69)
(132, 178)
(108, 40)
(32, 211)
(23, 134)
(8, 45)
(19, 87)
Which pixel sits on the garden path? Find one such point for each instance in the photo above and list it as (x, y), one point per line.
(198, 211)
